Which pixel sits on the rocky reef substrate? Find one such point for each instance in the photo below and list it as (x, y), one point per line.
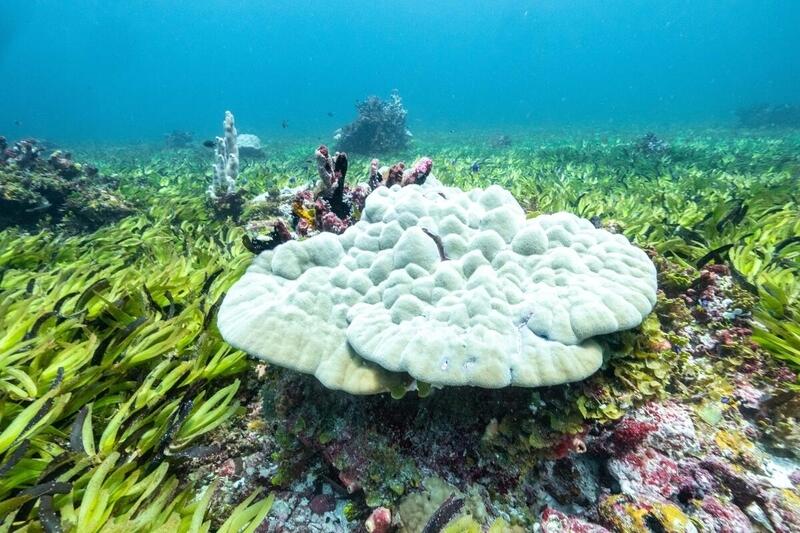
(37, 189)
(687, 427)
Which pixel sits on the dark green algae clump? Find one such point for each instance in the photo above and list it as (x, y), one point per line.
(123, 408)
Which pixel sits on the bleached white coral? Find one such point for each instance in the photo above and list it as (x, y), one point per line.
(452, 287)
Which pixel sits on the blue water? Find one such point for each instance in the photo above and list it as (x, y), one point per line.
(94, 70)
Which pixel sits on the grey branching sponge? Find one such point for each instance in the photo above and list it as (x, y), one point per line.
(445, 286)
(226, 161)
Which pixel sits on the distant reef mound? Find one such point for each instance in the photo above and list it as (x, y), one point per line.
(380, 127)
(37, 190)
(770, 116)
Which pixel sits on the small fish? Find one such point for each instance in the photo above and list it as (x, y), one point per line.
(38, 324)
(194, 452)
(210, 280)
(14, 458)
(100, 351)
(152, 300)
(475, 167)
(716, 253)
(18, 123)
(209, 144)
(330, 113)
(212, 311)
(171, 308)
(184, 408)
(76, 433)
(60, 302)
(285, 124)
(47, 514)
(446, 511)
(784, 243)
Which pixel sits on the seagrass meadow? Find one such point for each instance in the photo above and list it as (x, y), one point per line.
(123, 409)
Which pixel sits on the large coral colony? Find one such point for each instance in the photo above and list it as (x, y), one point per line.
(554, 334)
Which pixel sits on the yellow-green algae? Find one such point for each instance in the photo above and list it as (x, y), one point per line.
(115, 331)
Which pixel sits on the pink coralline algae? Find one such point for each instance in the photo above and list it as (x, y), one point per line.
(694, 482)
(630, 433)
(395, 175)
(674, 430)
(780, 509)
(419, 173)
(333, 224)
(380, 521)
(785, 375)
(748, 396)
(553, 521)
(358, 197)
(732, 336)
(569, 444)
(722, 517)
(227, 469)
(333, 205)
(646, 472)
(303, 228)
